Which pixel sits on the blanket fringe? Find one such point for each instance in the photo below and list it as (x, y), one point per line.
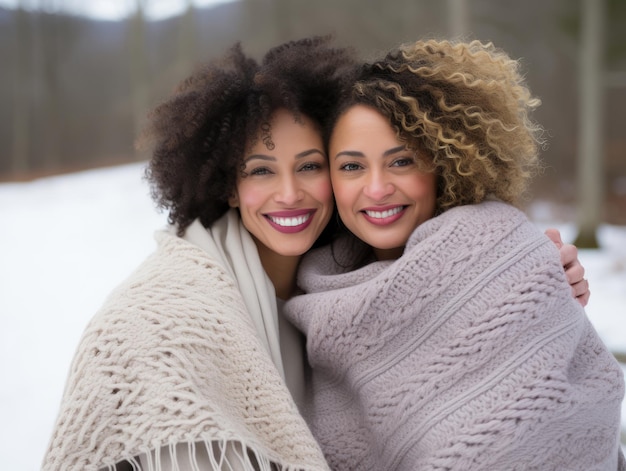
(222, 455)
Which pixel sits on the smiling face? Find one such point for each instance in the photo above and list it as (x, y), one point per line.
(380, 192)
(284, 194)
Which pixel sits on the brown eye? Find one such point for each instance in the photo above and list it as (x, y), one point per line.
(350, 167)
(310, 166)
(260, 171)
(403, 162)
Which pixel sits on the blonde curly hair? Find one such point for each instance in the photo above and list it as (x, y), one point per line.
(466, 107)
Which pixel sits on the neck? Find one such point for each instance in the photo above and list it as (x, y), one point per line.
(388, 254)
(281, 270)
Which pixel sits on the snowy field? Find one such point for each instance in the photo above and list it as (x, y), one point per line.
(66, 241)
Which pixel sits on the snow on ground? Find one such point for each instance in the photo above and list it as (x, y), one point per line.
(67, 241)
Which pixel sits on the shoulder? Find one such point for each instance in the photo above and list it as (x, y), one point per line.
(487, 212)
(178, 277)
(469, 223)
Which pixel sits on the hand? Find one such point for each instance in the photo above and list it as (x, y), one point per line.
(574, 271)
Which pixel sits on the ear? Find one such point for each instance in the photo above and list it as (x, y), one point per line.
(233, 200)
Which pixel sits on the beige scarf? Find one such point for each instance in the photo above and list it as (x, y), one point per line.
(175, 372)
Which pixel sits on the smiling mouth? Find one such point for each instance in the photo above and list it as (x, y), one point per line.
(290, 221)
(383, 217)
(383, 214)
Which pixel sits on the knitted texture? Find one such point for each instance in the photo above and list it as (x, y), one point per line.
(173, 358)
(467, 353)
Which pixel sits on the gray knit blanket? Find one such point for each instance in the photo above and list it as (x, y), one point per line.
(467, 353)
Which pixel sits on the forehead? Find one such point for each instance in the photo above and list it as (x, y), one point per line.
(363, 126)
(286, 132)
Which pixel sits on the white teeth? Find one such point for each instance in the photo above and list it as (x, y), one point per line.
(290, 222)
(383, 214)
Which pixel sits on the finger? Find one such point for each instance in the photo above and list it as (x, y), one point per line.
(574, 272)
(569, 256)
(584, 299)
(555, 236)
(581, 288)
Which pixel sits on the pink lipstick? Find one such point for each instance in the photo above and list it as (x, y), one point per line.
(289, 222)
(384, 215)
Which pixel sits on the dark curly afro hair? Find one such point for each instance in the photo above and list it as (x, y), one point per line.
(199, 135)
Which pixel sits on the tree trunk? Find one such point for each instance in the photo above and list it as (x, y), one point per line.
(52, 124)
(281, 17)
(138, 70)
(21, 100)
(187, 41)
(458, 16)
(591, 147)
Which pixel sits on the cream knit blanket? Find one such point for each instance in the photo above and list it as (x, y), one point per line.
(467, 353)
(173, 358)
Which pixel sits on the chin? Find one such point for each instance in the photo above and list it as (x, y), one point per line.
(293, 251)
(386, 244)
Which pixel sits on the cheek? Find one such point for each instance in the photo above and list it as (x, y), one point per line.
(322, 191)
(344, 194)
(248, 196)
(425, 190)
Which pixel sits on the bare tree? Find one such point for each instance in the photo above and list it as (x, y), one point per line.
(282, 20)
(50, 30)
(458, 16)
(591, 147)
(21, 101)
(187, 39)
(138, 67)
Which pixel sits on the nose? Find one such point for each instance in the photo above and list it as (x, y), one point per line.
(378, 187)
(289, 191)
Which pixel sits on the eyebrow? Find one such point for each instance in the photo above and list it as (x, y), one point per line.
(271, 158)
(356, 153)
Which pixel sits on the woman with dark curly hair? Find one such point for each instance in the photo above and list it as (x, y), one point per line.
(187, 365)
(456, 344)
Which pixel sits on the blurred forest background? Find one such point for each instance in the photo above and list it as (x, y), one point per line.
(75, 90)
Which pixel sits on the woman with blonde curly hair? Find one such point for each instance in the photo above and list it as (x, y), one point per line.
(455, 344)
